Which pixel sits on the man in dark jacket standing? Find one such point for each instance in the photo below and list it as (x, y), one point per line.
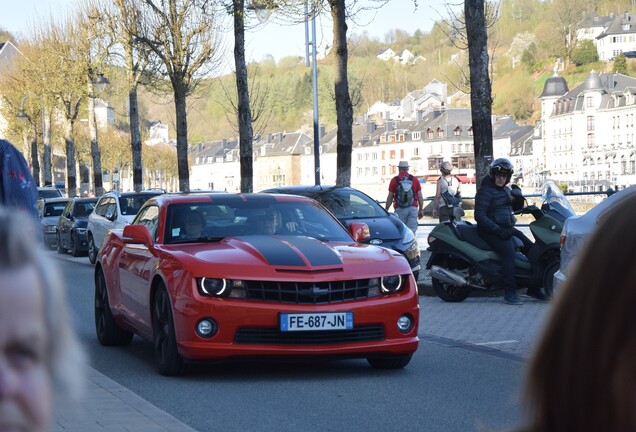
(17, 187)
(495, 224)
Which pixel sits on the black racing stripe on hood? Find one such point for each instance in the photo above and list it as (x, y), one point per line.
(275, 251)
(315, 251)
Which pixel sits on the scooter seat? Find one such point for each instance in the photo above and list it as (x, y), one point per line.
(470, 234)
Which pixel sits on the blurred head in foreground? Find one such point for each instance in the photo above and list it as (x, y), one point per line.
(583, 374)
(40, 357)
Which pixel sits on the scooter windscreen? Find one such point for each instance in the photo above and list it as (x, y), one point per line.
(555, 203)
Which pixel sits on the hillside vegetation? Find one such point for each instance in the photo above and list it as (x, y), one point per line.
(282, 92)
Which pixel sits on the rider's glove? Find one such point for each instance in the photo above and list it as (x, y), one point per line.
(504, 233)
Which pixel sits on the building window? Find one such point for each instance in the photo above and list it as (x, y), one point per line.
(457, 132)
(417, 135)
(429, 133)
(440, 133)
(416, 151)
(401, 153)
(401, 138)
(590, 140)
(392, 154)
(590, 123)
(589, 101)
(470, 131)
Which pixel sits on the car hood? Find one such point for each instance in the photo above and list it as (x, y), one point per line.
(380, 228)
(282, 257)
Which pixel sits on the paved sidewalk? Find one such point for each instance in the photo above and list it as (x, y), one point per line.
(110, 407)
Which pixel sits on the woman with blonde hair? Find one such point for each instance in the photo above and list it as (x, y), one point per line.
(582, 376)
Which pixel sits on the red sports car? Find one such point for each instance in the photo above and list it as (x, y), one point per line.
(221, 276)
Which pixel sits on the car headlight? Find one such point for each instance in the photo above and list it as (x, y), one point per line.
(50, 228)
(214, 287)
(81, 231)
(391, 284)
(408, 236)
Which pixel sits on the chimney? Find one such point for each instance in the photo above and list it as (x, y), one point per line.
(389, 126)
(280, 137)
(419, 116)
(322, 131)
(371, 126)
(269, 138)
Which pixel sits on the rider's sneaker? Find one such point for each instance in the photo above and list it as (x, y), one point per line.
(538, 294)
(512, 299)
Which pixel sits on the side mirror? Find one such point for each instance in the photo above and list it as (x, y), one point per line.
(110, 216)
(359, 231)
(137, 234)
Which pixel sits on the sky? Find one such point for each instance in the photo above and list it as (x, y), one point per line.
(18, 16)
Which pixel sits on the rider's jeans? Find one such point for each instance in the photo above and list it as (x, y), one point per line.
(506, 251)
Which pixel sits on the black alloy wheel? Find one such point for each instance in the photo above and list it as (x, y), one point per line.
(107, 330)
(92, 251)
(169, 361)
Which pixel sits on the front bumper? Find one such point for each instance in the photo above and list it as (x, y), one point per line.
(251, 328)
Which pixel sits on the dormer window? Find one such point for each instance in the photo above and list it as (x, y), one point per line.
(429, 133)
(440, 133)
(229, 158)
(457, 131)
(307, 150)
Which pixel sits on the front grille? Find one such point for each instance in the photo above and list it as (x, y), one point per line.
(273, 336)
(309, 292)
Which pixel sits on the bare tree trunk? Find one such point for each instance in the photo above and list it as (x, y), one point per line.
(480, 86)
(182, 140)
(135, 139)
(71, 177)
(95, 153)
(242, 89)
(46, 151)
(344, 109)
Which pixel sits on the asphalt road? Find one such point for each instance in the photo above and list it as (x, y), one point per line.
(466, 375)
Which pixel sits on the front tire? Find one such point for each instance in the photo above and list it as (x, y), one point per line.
(92, 252)
(60, 249)
(445, 291)
(74, 247)
(169, 361)
(392, 362)
(108, 332)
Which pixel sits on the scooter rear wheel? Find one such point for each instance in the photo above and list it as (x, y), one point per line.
(447, 292)
(548, 277)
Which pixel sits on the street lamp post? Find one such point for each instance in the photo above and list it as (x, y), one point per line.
(314, 82)
(99, 82)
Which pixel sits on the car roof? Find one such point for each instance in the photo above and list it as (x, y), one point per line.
(84, 199)
(54, 200)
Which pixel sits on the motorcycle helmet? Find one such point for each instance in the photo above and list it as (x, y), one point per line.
(446, 168)
(501, 166)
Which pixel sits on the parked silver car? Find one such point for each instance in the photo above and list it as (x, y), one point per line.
(114, 210)
(49, 212)
(577, 230)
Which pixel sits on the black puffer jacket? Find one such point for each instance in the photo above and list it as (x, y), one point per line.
(493, 207)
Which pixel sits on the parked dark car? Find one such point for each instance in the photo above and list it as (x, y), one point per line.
(49, 212)
(630, 54)
(351, 205)
(71, 227)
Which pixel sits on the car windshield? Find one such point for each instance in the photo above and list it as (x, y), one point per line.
(349, 204)
(83, 209)
(195, 222)
(554, 200)
(54, 209)
(131, 204)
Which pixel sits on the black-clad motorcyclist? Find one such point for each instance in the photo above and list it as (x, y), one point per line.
(495, 224)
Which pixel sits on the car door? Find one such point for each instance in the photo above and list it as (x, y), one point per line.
(135, 270)
(103, 222)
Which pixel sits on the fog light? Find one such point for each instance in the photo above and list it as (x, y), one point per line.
(405, 323)
(207, 327)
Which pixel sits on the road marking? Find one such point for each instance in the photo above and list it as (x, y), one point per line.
(498, 342)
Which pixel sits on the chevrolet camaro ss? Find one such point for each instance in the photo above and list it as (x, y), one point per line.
(220, 276)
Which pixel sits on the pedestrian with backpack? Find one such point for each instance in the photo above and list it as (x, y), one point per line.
(448, 194)
(405, 193)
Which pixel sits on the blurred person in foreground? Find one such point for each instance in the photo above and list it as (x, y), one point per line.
(40, 358)
(17, 186)
(582, 376)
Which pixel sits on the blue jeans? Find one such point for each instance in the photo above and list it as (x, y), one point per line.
(408, 215)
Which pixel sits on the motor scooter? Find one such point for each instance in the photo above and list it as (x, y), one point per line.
(461, 261)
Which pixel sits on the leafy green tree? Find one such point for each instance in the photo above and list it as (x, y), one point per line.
(620, 64)
(585, 53)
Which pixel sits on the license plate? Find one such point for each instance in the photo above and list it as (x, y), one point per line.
(316, 321)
